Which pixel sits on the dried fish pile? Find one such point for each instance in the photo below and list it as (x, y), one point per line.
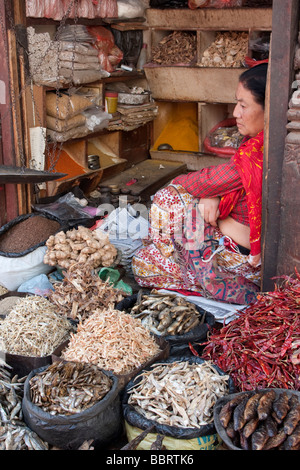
(33, 328)
(81, 292)
(112, 340)
(69, 388)
(14, 434)
(179, 394)
(177, 47)
(263, 420)
(167, 314)
(228, 50)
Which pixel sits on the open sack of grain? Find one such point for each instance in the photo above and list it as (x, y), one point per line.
(22, 248)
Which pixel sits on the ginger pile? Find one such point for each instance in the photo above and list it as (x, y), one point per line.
(79, 246)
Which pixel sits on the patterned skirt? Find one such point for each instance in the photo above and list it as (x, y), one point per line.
(182, 252)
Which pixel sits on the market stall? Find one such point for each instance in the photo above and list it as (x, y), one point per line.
(89, 359)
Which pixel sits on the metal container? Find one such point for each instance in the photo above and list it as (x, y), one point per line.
(93, 162)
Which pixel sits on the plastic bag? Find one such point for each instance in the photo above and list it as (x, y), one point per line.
(66, 208)
(37, 285)
(96, 118)
(101, 422)
(109, 54)
(15, 271)
(130, 8)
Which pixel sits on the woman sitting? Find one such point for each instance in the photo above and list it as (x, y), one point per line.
(205, 227)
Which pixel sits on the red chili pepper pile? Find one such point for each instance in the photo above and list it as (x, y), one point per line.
(261, 348)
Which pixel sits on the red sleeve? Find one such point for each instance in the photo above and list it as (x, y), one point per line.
(212, 181)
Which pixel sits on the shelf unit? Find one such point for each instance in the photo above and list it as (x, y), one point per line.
(211, 90)
(127, 148)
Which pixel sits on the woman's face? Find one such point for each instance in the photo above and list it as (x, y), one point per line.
(248, 113)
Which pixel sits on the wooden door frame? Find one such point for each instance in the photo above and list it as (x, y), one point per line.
(285, 30)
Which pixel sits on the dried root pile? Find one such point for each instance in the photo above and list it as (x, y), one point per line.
(179, 394)
(177, 47)
(14, 434)
(228, 50)
(33, 328)
(81, 292)
(112, 340)
(80, 246)
(69, 388)
(263, 420)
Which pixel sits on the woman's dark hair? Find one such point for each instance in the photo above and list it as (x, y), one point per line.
(255, 80)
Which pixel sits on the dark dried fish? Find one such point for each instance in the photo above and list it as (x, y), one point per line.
(293, 416)
(259, 437)
(271, 426)
(281, 405)
(238, 415)
(250, 427)
(275, 441)
(293, 440)
(265, 404)
(251, 407)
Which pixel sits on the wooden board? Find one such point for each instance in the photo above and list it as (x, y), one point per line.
(150, 175)
(193, 160)
(235, 19)
(181, 83)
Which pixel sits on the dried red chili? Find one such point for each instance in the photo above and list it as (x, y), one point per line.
(260, 348)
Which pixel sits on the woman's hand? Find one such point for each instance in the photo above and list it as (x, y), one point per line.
(209, 209)
(255, 260)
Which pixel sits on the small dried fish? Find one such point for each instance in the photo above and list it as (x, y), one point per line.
(68, 388)
(112, 340)
(14, 434)
(179, 394)
(33, 328)
(166, 314)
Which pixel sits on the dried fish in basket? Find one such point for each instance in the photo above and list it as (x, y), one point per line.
(69, 421)
(14, 434)
(69, 388)
(264, 419)
(178, 395)
(113, 341)
(169, 316)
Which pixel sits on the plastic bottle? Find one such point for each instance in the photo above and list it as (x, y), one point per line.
(142, 58)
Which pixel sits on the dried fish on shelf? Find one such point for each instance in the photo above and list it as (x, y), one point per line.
(81, 292)
(228, 50)
(165, 314)
(177, 47)
(33, 328)
(179, 394)
(69, 388)
(112, 340)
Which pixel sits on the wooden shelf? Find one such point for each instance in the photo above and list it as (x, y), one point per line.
(184, 83)
(226, 19)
